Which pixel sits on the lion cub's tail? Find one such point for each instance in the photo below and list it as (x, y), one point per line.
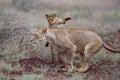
(110, 49)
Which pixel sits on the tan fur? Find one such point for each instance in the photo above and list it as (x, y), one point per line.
(54, 22)
(72, 41)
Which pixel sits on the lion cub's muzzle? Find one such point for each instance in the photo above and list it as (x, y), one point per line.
(34, 41)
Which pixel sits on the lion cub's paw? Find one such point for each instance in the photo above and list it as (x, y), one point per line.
(83, 69)
(67, 18)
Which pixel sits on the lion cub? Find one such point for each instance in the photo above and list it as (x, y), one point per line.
(72, 41)
(55, 22)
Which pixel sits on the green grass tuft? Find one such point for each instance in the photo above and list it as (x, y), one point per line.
(111, 16)
(103, 32)
(31, 77)
(1, 77)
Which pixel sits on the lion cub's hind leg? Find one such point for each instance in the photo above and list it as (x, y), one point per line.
(89, 52)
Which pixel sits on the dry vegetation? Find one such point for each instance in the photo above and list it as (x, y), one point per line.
(20, 60)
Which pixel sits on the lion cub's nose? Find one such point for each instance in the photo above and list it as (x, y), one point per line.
(31, 40)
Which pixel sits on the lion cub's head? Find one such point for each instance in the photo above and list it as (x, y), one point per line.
(55, 21)
(38, 35)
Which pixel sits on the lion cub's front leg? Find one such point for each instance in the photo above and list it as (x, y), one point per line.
(68, 61)
(59, 57)
(52, 54)
(68, 56)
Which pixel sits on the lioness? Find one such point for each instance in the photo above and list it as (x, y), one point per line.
(70, 41)
(55, 22)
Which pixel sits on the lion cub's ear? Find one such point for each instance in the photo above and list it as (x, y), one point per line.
(44, 30)
(54, 15)
(46, 15)
(50, 15)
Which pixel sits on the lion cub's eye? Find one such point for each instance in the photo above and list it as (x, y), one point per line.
(51, 19)
(36, 36)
